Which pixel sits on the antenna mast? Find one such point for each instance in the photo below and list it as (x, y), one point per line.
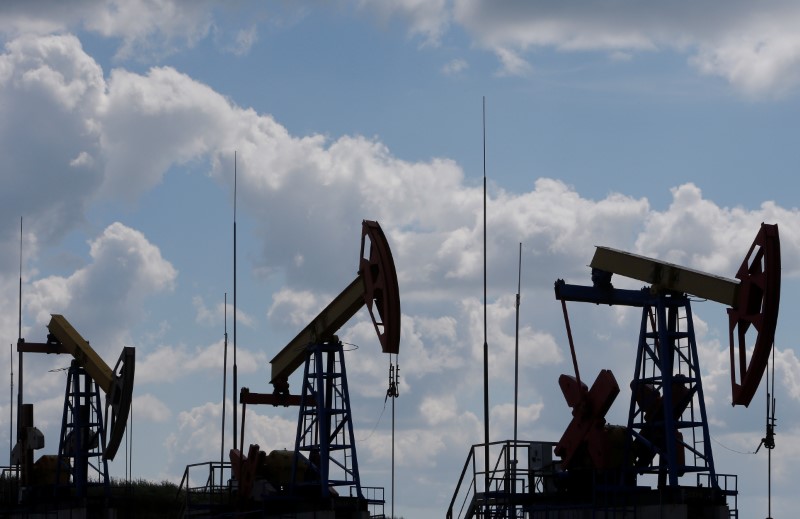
(19, 335)
(224, 386)
(235, 382)
(393, 392)
(769, 441)
(11, 407)
(485, 343)
(516, 350)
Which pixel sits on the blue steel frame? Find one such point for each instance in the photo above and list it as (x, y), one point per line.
(324, 425)
(670, 355)
(82, 421)
(660, 324)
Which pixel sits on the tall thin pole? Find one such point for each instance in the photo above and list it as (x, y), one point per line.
(224, 388)
(19, 338)
(769, 459)
(485, 342)
(129, 462)
(19, 306)
(770, 443)
(11, 407)
(392, 457)
(393, 392)
(235, 381)
(516, 351)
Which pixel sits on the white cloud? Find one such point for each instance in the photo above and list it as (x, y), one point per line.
(428, 18)
(145, 28)
(151, 27)
(455, 67)
(125, 270)
(789, 366)
(512, 63)
(502, 418)
(714, 239)
(153, 113)
(179, 120)
(422, 448)
(268, 431)
(217, 314)
(294, 309)
(752, 46)
(244, 41)
(762, 59)
(197, 434)
(168, 364)
(150, 408)
(538, 348)
(49, 89)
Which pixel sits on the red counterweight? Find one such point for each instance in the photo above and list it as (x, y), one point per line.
(589, 408)
(757, 302)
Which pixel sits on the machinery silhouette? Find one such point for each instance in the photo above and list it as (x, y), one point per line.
(320, 475)
(90, 436)
(666, 435)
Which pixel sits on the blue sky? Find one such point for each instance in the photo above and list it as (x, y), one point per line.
(664, 130)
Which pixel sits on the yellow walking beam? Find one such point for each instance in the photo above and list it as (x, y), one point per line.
(666, 276)
(79, 348)
(321, 328)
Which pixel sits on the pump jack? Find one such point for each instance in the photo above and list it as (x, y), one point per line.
(324, 457)
(667, 431)
(86, 433)
(667, 384)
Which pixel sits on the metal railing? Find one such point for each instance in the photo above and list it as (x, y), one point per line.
(375, 500)
(212, 489)
(728, 484)
(520, 469)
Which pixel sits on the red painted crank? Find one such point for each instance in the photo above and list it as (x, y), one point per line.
(757, 302)
(381, 293)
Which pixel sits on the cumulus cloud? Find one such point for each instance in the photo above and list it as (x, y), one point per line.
(151, 28)
(180, 120)
(197, 434)
(154, 110)
(150, 408)
(540, 347)
(125, 270)
(714, 239)
(168, 364)
(502, 417)
(144, 29)
(424, 446)
(762, 59)
(752, 46)
(215, 315)
(49, 89)
(294, 309)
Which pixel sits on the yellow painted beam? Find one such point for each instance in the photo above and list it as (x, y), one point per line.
(79, 348)
(666, 276)
(321, 328)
